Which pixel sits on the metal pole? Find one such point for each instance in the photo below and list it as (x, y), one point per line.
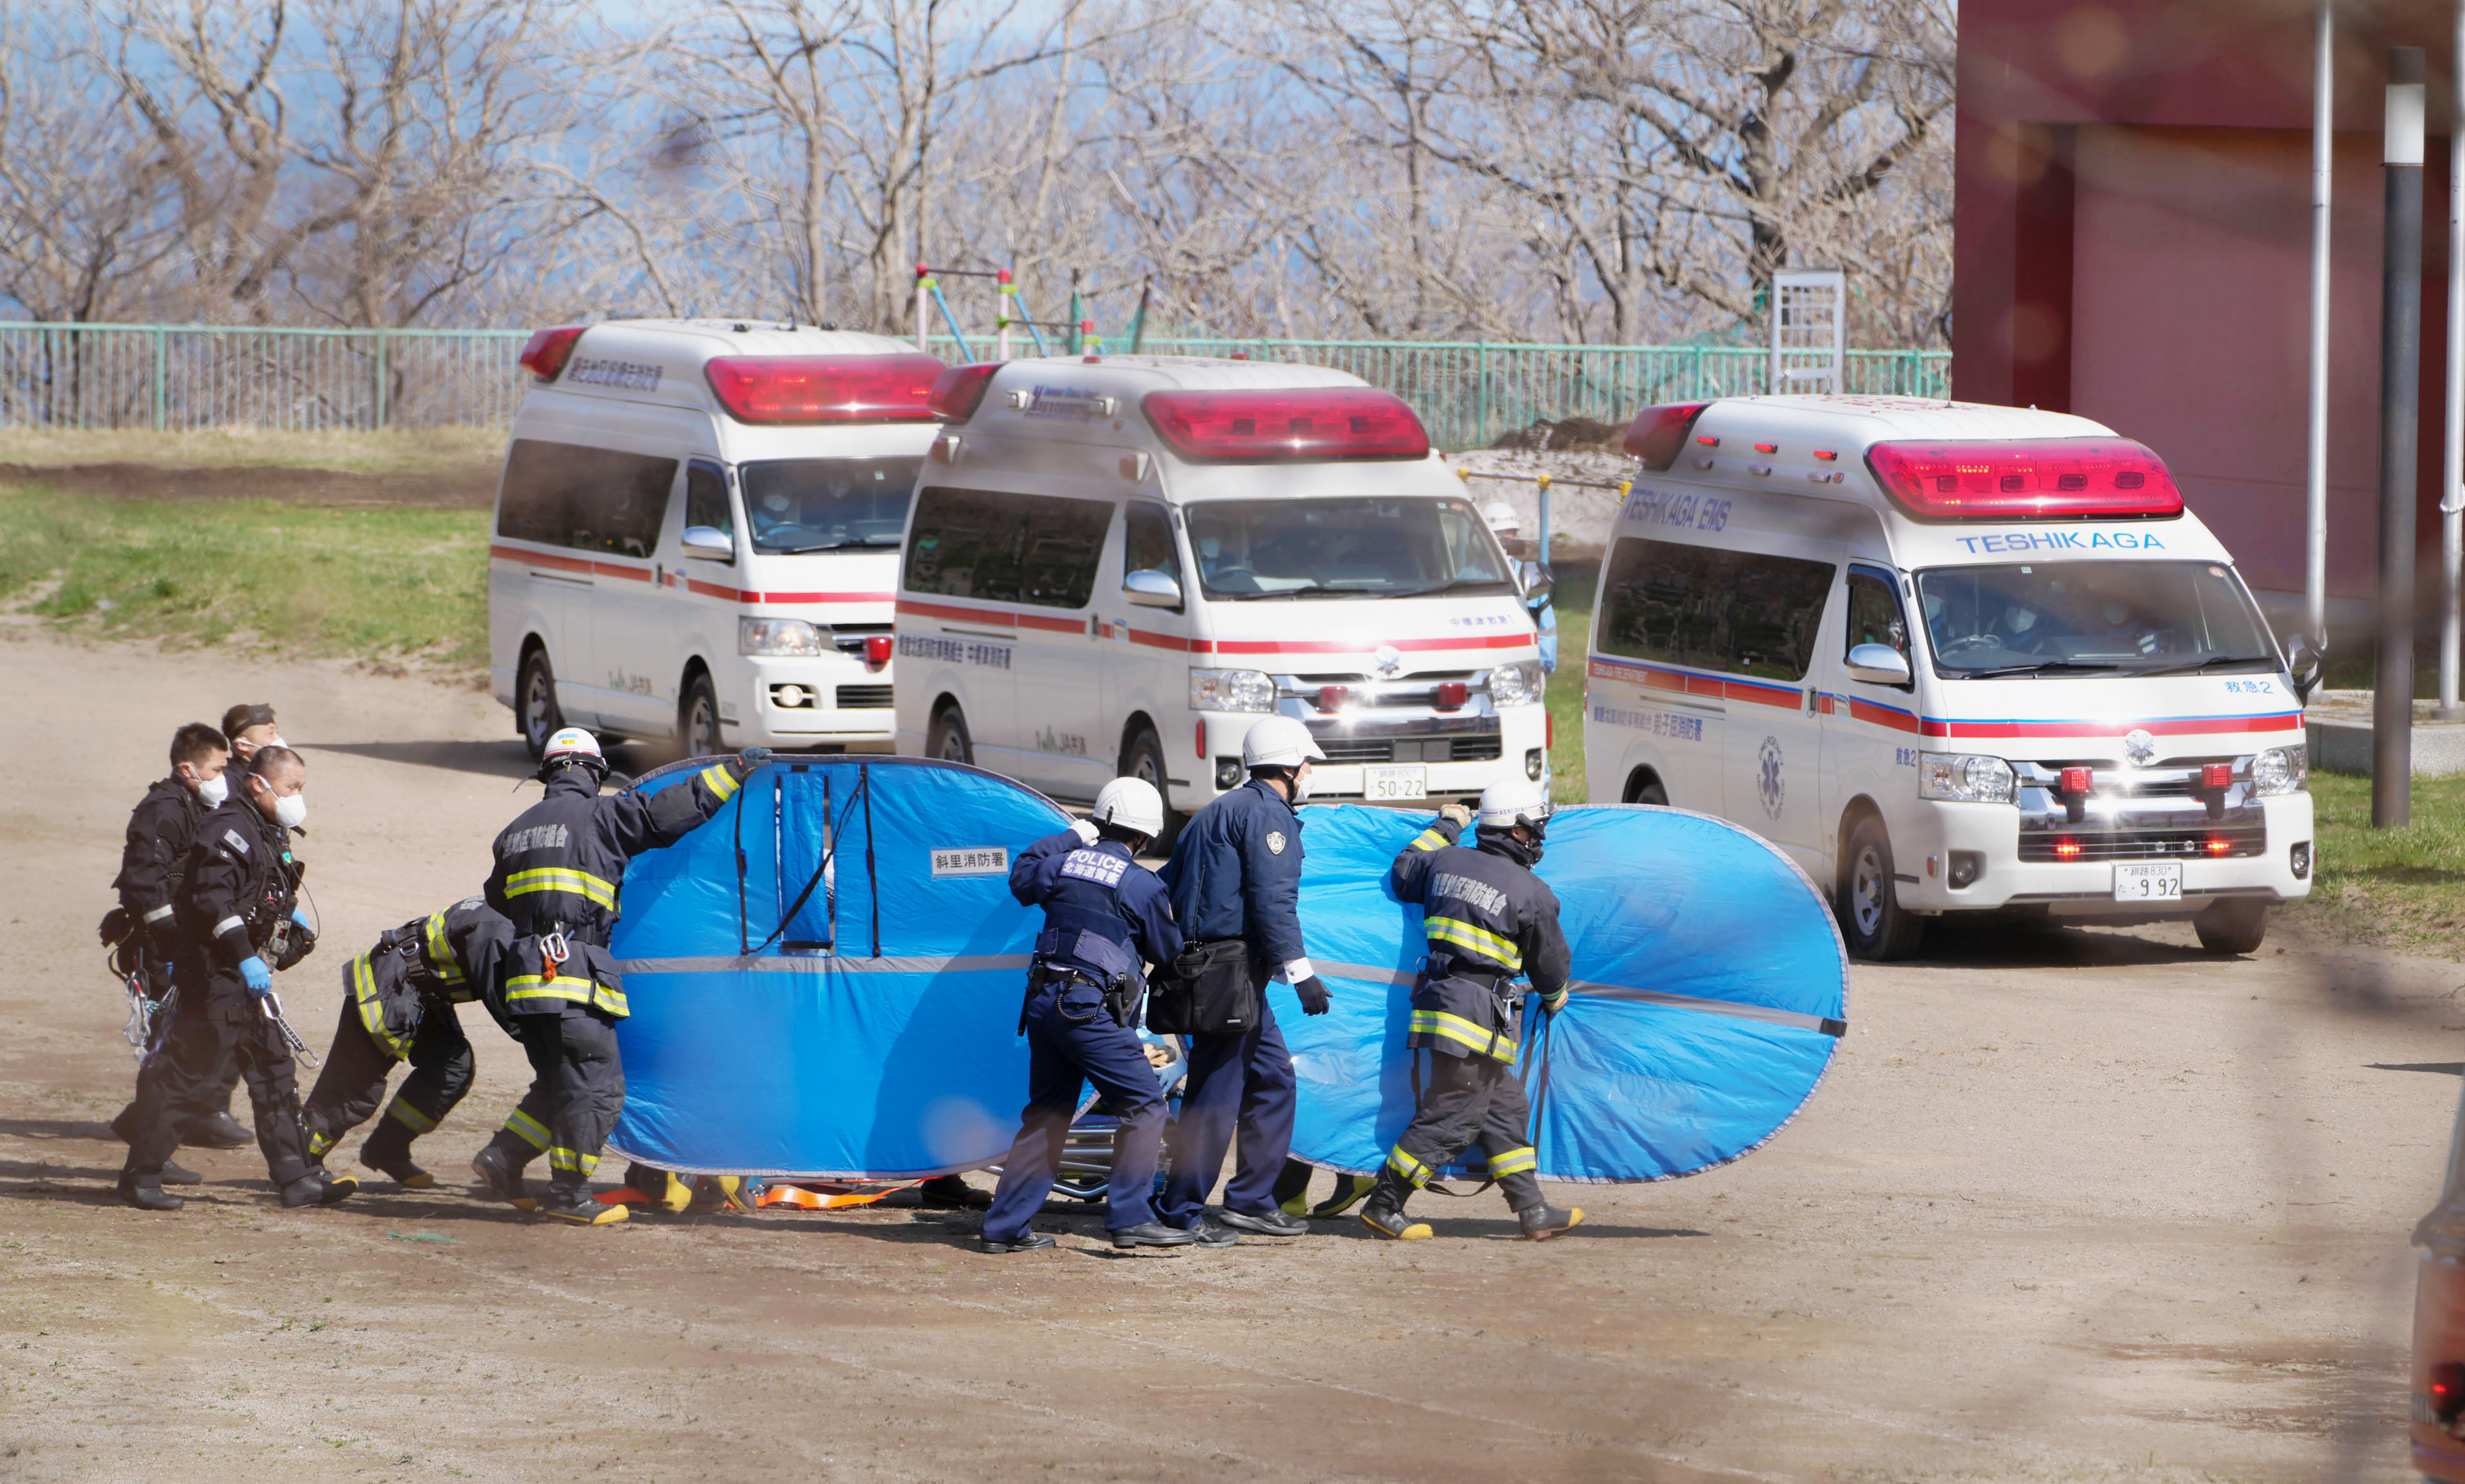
(2324, 125)
(161, 376)
(924, 305)
(2452, 485)
(2400, 415)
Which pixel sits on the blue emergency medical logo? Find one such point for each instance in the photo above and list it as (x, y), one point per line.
(1768, 786)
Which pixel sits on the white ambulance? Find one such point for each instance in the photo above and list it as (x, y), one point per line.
(1118, 565)
(697, 532)
(1950, 657)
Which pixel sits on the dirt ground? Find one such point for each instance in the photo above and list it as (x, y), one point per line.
(2071, 1205)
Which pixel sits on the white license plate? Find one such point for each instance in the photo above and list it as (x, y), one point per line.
(1394, 783)
(2149, 883)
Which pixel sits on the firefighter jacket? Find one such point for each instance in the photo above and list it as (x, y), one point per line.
(427, 965)
(154, 858)
(1237, 873)
(1103, 912)
(241, 881)
(558, 866)
(1489, 919)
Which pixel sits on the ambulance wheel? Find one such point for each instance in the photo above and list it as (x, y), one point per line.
(1144, 760)
(2234, 925)
(535, 692)
(1644, 789)
(698, 719)
(947, 739)
(1872, 918)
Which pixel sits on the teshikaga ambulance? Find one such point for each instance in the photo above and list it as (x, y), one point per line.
(697, 532)
(1117, 566)
(1949, 657)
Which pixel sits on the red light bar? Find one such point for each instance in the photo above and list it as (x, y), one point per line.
(2075, 779)
(1452, 695)
(2099, 478)
(1286, 425)
(803, 389)
(1331, 697)
(546, 352)
(1658, 433)
(1766, 448)
(2067, 849)
(2218, 776)
(960, 391)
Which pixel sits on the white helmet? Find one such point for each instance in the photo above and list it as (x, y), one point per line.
(1130, 803)
(1278, 742)
(1512, 802)
(1501, 515)
(572, 744)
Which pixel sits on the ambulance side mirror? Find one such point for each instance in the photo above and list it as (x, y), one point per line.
(708, 543)
(2302, 667)
(1877, 664)
(1538, 588)
(1151, 589)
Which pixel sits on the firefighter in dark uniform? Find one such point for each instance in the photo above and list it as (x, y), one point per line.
(1104, 915)
(399, 1004)
(238, 907)
(1488, 919)
(558, 865)
(1236, 877)
(152, 862)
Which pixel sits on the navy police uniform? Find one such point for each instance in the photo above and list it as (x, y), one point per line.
(1488, 919)
(1103, 914)
(1235, 873)
(240, 882)
(558, 866)
(399, 1003)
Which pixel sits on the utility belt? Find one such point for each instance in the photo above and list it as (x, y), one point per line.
(1120, 992)
(1213, 989)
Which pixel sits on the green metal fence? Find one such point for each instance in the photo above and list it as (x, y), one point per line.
(204, 376)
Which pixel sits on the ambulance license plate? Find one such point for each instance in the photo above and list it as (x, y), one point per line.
(1394, 783)
(2149, 883)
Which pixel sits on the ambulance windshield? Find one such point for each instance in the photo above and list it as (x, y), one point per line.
(1349, 547)
(2123, 618)
(825, 504)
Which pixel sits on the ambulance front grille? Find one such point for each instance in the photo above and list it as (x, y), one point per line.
(863, 698)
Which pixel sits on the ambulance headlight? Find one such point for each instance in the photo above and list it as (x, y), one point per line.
(1515, 683)
(1963, 779)
(2280, 771)
(1231, 690)
(781, 636)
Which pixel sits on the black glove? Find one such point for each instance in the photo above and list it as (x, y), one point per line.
(1315, 998)
(745, 762)
(1554, 1002)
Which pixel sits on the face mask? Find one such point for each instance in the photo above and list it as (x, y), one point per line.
(1302, 787)
(277, 740)
(214, 790)
(291, 811)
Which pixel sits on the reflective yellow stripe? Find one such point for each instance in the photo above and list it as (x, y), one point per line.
(1455, 1027)
(523, 988)
(1463, 935)
(522, 1126)
(364, 994)
(1431, 840)
(561, 879)
(408, 1117)
(319, 1144)
(570, 1161)
(1514, 1161)
(719, 780)
(1409, 1167)
(441, 960)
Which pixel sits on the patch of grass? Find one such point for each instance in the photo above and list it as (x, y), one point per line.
(395, 451)
(2399, 888)
(367, 584)
(1565, 696)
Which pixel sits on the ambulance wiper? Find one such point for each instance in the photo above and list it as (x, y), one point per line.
(829, 545)
(2197, 666)
(1455, 585)
(1313, 590)
(2042, 667)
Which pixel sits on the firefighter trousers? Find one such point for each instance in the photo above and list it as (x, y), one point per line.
(577, 1089)
(179, 1084)
(353, 1082)
(1466, 1100)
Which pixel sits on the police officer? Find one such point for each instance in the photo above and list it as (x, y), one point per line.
(153, 859)
(399, 1003)
(1236, 877)
(237, 905)
(1529, 573)
(1103, 916)
(555, 880)
(1488, 919)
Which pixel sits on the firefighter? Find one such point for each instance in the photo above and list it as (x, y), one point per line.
(555, 880)
(1103, 914)
(1488, 919)
(399, 1003)
(152, 861)
(1236, 877)
(237, 908)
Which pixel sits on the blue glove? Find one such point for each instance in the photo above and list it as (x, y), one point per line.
(253, 973)
(302, 917)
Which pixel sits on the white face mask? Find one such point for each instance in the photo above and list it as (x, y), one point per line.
(291, 811)
(213, 790)
(1301, 784)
